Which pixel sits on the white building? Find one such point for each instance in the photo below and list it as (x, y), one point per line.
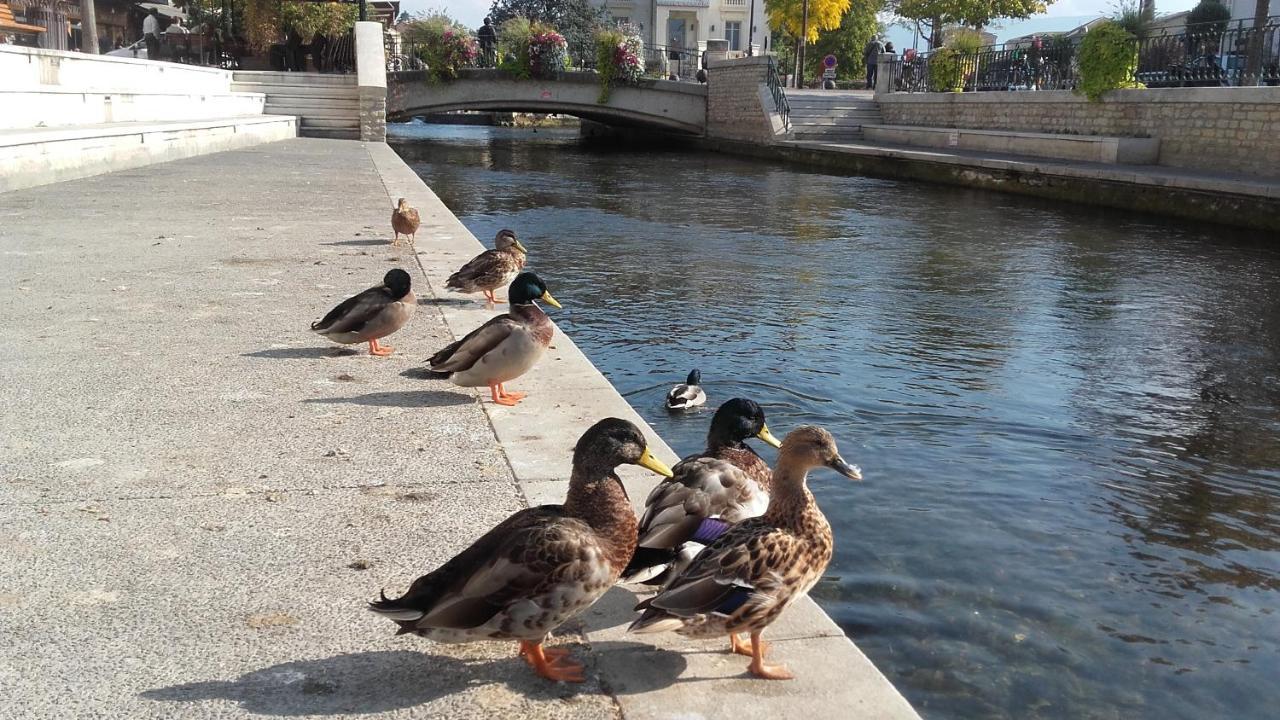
(688, 24)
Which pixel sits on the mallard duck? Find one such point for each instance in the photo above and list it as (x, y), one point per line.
(541, 566)
(724, 484)
(745, 579)
(405, 221)
(504, 348)
(491, 269)
(371, 315)
(687, 394)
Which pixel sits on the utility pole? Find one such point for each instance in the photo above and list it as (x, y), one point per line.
(804, 40)
(751, 28)
(88, 28)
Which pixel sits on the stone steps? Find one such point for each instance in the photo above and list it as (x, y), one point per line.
(325, 105)
(820, 116)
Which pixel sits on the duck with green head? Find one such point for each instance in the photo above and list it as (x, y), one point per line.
(541, 566)
(724, 484)
(504, 348)
(371, 315)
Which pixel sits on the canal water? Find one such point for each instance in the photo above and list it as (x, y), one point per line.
(1067, 418)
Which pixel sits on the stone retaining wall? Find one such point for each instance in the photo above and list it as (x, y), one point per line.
(1216, 129)
(739, 106)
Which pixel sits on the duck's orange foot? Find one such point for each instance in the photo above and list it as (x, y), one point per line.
(500, 397)
(552, 664)
(759, 668)
(516, 396)
(380, 350)
(742, 647)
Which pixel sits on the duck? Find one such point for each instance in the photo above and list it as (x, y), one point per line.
(371, 315)
(746, 578)
(724, 484)
(405, 221)
(491, 269)
(504, 348)
(540, 567)
(687, 394)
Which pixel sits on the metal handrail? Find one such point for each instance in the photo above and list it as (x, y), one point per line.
(780, 102)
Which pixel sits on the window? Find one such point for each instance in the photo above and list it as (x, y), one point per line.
(733, 33)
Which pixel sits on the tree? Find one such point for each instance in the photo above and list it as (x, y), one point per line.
(1253, 67)
(576, 20)
(790, 16)
(265, 19)
(1210, 17)
(970, 13)
(847, 40)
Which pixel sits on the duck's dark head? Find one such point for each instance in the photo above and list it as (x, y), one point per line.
(737, 420)
(398, 282)
(528, 287)
(613, 442)
(809, 447)
(506, 239)
(695, 377)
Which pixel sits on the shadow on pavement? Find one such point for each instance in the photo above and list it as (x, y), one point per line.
(370, 241)
(372, 682)
(408, 398)
(304, 353)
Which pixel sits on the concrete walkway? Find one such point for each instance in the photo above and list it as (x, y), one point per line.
(197, 494)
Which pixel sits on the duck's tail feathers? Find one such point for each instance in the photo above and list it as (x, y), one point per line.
(654, 621)
(647, 564)
(435, 375)
(394, 610)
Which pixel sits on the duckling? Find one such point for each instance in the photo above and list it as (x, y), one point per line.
(371, 315)
(745, 579)
(724, 484)
(541, 566)
(687, 394)
(405, 221)
(504, 348)
(491, 269)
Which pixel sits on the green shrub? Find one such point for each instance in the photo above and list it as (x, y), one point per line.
(513, 46)
(619, 58)
(1108, 59)
(946, 70)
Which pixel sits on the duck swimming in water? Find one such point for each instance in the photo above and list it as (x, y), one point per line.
(687, 394)
(371, 315)
(541, 566)
(724, 484)
(745, 579)
(504, 348)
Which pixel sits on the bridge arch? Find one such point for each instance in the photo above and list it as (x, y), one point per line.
(679, 107)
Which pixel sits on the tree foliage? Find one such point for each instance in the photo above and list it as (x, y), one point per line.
(266, 20)
(576, 20)
(788, 15)
(1209, 16)
(1108, 60)
(847, 41)
(973, 13)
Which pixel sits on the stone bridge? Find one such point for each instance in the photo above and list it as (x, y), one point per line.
(654, 104)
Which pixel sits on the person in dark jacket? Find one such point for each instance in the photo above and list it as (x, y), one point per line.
(871, 54)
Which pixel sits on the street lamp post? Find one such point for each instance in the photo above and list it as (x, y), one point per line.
(804, 40)
(751, 28)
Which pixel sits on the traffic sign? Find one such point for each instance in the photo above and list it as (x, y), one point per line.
(829, 73)
(829, 61)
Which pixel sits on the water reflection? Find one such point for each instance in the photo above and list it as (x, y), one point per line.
(1068, 417)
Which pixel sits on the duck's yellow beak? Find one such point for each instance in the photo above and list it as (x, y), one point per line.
(546, 298)
(521, 248)
(647, 460)
(768, 437)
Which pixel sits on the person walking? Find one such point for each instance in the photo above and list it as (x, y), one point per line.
(488, 38)
(871, 54)
(151, 33)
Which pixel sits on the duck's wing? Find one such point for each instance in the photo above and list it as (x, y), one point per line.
(353, 313)
(684, 395)
(525, 556)
(464, 353)
(701, 488)
(488, 269)
(743, 570)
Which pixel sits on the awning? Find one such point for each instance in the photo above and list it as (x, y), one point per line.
(166, 10)
(7, 22)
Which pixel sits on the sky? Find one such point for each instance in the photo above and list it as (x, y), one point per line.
(1062, 15)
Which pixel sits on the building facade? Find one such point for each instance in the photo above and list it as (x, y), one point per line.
(688, 24)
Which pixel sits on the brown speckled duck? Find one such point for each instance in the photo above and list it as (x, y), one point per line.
(405, 221)
(371, 315)
(504, 348)
(724, 484)
(745, 579)
(491, 269)
(541, 566)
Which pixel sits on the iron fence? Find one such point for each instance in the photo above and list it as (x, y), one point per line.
(1208, 55)
(774, 81)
